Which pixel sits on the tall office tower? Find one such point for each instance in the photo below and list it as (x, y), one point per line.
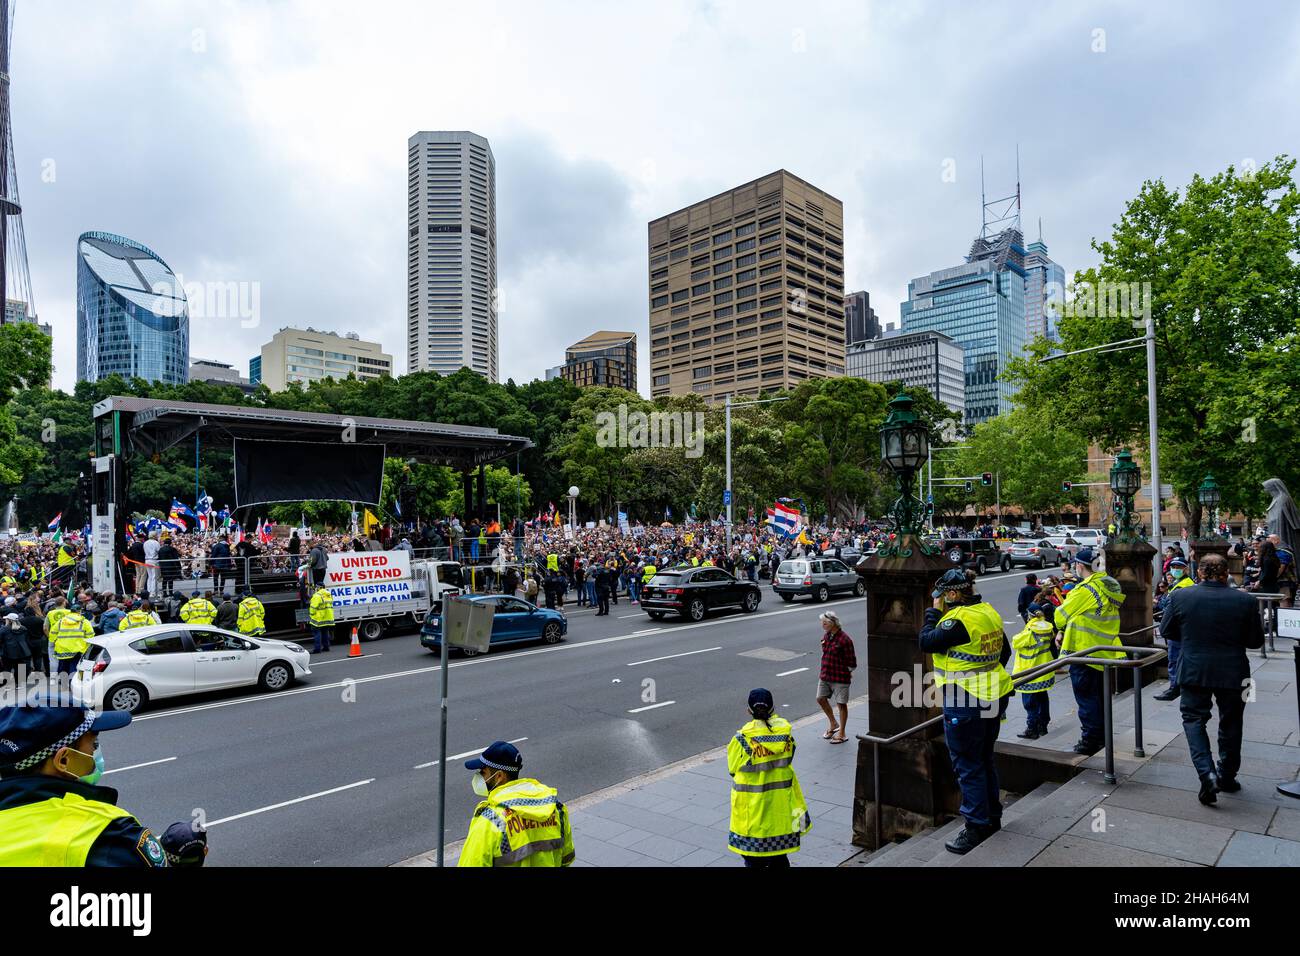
(132, 314)
(451, 254)
(602, 358)
(860, 321)
(929, 360)
(747, 290)
(1044, 283)
(15, 277)
(980, 304)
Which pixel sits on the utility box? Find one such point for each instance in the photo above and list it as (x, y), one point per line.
(467, 623)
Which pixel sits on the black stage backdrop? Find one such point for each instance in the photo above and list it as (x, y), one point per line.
(267, 471)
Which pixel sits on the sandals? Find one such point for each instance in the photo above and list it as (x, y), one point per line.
(838, 740)
(830, 733)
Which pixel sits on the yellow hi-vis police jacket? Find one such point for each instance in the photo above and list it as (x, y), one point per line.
(54, 832)
(321, 609)
(650, 571)
(1090, 616)
(136, 618)
(198, 611)
(69, 635)
(252, 616)
(976, 666)
(1032, 647)
(521, 823)
(768, 811)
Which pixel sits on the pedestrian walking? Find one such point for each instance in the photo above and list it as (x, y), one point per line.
(838, 662)
(519, 821)
(769, 814)
(1215, 625)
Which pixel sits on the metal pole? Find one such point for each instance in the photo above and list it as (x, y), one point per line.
(997, 491)
(1110, 726)
(442, 739)
(1138, 749)
(1154, 441)
(727, 408)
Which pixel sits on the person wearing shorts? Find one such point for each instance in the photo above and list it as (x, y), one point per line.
(838, 662)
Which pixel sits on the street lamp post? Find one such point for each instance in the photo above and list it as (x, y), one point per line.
(1125, 480)
(1208, 494)
(573, 498)
(904, 448)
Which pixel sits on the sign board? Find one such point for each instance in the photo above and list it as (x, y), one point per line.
(1288, 622)
(1166, 491)
(466, 623)
(369, 577)
(726, 496)
(101, 549)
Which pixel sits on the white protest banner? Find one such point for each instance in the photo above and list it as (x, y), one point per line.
(369, 577)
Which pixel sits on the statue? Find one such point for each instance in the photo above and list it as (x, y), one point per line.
(1283, 516)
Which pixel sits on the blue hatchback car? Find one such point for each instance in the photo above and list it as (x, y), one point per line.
(514, 621)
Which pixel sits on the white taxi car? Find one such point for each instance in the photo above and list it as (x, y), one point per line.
(127, 669)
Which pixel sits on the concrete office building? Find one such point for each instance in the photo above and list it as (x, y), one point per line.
(747, 290)
(602, 358)
(860, 321)
(929, 360)
(219, 373)
(306, 355)
(451, 254)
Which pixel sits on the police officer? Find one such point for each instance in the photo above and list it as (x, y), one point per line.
(964, 634)
(768, 810)
(198, 610)
(1033, 647)
(252, 615)
(604, 581)
(519, 822)
(140, 615)
(52, 813)
(1089, 616)
(68, 637)
(321, 613)
(1178, 569)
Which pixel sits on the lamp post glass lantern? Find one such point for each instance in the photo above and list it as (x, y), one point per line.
(1125, 480)
(1208, 494)
(904, 447)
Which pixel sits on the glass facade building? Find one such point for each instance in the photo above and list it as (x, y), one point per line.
(132, 315)
(1044, 283)
(981, 305)
(929, 360)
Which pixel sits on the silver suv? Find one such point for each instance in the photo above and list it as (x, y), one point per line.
(818, 577)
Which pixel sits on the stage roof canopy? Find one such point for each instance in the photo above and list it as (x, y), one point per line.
(151, 425)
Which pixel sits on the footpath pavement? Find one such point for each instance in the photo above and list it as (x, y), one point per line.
(678, 815)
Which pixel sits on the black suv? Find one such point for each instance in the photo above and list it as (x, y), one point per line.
(693, 592)
(982, 554)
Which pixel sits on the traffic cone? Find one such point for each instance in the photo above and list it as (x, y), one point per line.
(355, 649)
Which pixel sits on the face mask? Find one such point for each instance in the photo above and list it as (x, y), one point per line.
(92, 778)
(1177, 574)
(480, 785)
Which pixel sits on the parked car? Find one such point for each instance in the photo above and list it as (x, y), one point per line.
(848, 554)
(128, 669)
(1034, 553)
(978, 553)
(514, 621)
(816, 577)
(1064, 543)
(694, 592)
(1089, 537)
(1064, 529)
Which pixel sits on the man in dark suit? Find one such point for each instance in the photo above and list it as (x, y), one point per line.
(1215, 624)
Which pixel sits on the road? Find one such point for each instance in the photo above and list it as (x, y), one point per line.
(338, 770)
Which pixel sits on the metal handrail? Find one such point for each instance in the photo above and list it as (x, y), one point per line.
(1149, 655)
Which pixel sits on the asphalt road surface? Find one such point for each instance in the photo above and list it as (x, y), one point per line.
(339, 769)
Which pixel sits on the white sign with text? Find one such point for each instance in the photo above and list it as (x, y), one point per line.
(369, 577)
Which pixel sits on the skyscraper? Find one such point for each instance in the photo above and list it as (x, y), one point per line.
(132, 315)
(451, 254)
(1044, 282)
(860, 321)
(15, 277)
(747, 290)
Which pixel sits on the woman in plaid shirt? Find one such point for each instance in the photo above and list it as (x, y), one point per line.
(838, 662)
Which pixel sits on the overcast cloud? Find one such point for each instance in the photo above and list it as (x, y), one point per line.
(266, 142)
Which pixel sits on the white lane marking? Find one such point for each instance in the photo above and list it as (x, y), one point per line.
(467, 753)
(486, 659)
(653, 660)
(651, 706)
(797, 670)
(137, 766)
(624, 617)
(288, 803)
(342, 659)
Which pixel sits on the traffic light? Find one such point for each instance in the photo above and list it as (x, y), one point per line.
(929, 510)
(986, 479)
(1066, 486)
(969, 487)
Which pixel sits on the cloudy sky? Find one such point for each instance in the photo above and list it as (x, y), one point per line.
(264, 143)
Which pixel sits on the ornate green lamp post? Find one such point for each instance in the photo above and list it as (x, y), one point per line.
(1125, 480)
(904, 447)
(1208, 494)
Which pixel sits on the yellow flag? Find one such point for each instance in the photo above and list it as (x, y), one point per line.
(803, 537)
(370, 523)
